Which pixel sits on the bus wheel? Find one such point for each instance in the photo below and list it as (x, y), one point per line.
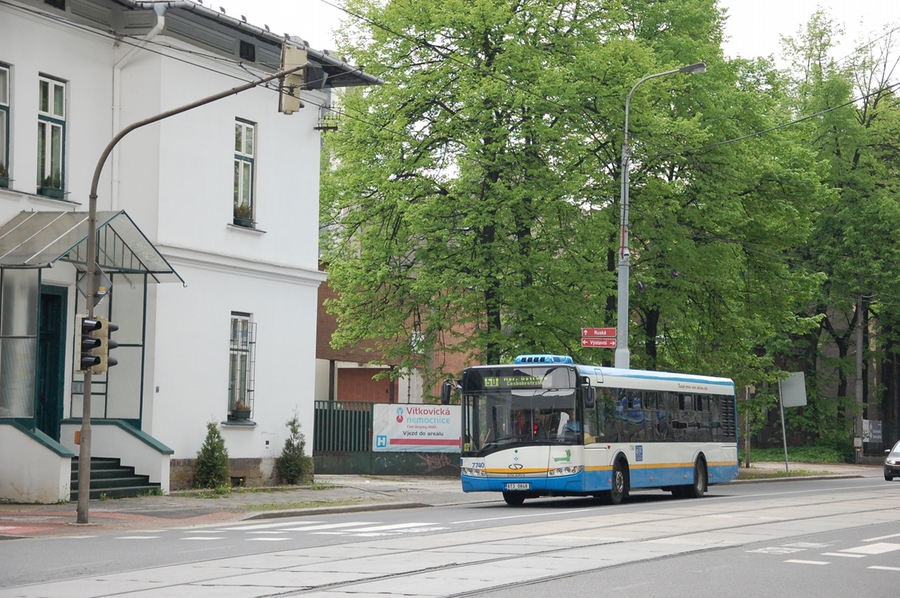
(619, 491)
(514, 499)
(698, 488)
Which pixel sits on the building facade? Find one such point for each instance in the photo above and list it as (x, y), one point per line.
(207, 237)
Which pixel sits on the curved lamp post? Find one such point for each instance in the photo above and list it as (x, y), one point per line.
(623, 357)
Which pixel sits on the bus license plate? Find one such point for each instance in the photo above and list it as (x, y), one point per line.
(519, 486)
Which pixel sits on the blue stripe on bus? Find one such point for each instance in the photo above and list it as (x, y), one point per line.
(598, 480)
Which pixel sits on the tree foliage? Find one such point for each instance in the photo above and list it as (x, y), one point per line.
(211, 470)
(855, 244)
(471, 202)
(294, 465)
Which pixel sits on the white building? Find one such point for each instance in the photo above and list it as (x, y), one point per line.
(223, 197)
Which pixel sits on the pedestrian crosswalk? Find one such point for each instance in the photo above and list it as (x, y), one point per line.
(873, 547)
(281, 531)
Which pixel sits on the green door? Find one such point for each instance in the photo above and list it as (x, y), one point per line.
(51, 366)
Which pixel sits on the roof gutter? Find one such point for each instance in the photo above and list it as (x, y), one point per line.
(322, 56)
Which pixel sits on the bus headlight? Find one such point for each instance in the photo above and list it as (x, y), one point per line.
(473, 472)
(567, 470)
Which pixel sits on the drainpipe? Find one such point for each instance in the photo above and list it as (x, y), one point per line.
(160, 9)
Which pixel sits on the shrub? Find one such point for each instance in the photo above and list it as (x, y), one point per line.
(211, 469)
(293, 466)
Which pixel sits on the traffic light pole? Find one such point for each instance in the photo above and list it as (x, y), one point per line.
(84, 452)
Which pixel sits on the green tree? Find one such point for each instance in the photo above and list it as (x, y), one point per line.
(294, 465)
(211, 469)
(855, 242)
(471, 201)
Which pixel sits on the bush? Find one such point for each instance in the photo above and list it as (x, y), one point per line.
(211, 469)
(796, 454)
(293, 466)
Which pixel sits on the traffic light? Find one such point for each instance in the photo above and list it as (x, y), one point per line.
(88, 344)
(106, 344)
(289, 98)
(94, 344)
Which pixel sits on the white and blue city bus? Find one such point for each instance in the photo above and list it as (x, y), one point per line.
(544, 426)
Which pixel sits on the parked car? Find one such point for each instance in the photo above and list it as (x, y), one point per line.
(892, 463)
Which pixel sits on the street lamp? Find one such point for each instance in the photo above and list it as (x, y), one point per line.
(623, 357)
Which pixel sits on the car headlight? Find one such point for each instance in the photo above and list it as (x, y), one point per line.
(567, 470)
(473, 472)
(893, 461)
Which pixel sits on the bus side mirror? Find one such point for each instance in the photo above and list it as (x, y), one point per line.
(446, 388)
(590, 397)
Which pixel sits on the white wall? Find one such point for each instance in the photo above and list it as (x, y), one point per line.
(191, 367)
(31, 472)
(85, 61)
(176, 182)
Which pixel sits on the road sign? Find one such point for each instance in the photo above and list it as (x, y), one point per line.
(598, 332)
(603, 343)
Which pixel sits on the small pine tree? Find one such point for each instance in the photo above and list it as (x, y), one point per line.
(211, 469)
(293, 466)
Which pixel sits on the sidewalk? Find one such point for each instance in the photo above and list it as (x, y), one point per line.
(330, 494)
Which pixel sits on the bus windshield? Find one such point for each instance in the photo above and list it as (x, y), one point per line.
(499, 418)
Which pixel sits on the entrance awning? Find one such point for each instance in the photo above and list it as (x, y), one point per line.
(38, 239)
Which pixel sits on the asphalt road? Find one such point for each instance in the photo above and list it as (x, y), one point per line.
(812, 537)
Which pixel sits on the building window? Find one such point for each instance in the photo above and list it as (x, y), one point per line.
(4, 125)
(244, 171)
(51, 136)
(242, 365)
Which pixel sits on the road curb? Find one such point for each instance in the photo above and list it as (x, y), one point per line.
(839, 476)
(313, 511)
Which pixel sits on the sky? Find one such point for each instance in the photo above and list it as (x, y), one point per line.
(753, 29)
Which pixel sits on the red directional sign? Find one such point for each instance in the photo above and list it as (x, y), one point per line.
(603, 343)
(597, 332)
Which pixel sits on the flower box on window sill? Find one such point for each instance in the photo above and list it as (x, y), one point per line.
(245, 222)
(4, 182)
(240, 414)
(51, 192)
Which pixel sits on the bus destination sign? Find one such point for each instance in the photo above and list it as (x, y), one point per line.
(513, 381)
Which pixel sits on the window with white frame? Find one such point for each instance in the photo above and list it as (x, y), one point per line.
(244, 171)
(51, 136)
(242, 365)
(4, 125)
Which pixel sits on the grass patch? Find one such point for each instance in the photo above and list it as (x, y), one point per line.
(280, 506)
(798, 454)
(225, 491)
(768, 475)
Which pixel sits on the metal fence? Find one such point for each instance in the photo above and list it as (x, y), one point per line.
(342, 426)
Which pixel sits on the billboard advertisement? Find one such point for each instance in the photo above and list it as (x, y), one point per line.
(416, 428)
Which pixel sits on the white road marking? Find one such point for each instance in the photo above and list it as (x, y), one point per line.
(885, 568)
(384, 528)
(312, 528)
(845, 555)
(777, 550)
(522, 516)
(879, 548)
(799, 562)
(137, 537)
(881, 538)
(255, 526)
